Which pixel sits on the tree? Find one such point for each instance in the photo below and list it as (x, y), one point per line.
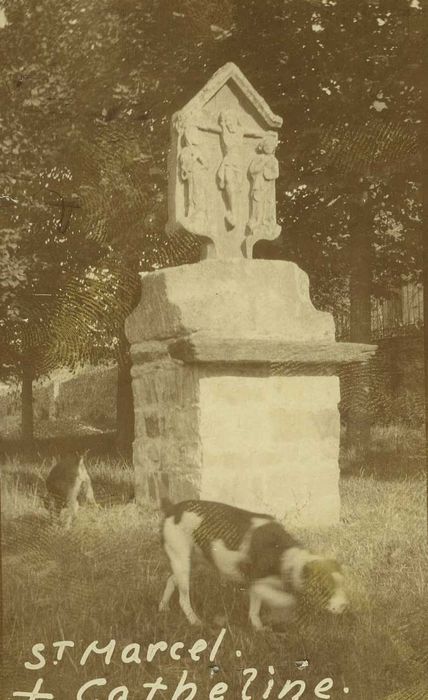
(39, 260)
(91, 113)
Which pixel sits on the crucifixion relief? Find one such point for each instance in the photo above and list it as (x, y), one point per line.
(230, 174)
(223, 167)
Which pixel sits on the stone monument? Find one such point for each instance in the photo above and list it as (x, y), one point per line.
(222, 167)
(234, 371)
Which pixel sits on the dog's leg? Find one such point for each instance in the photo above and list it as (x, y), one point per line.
(86, 483)
(180, 564)
(255, 606)
(51, 506)
(72, 504)
(70, 512)
(89, 493)
(263, 592)
(67, 516)
(170, 587)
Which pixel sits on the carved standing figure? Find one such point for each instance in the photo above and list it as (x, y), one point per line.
(263, 171)
(193, 169)
(230, 172)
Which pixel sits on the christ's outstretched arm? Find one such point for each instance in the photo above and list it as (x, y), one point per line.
(254, 134)
(208, 125)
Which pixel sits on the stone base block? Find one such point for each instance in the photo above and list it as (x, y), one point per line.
(235, 392)
(265, 443)
(271, 444)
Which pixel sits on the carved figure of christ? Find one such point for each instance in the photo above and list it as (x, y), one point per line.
(231, 171)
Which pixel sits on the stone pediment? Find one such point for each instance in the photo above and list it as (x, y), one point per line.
(232, 75)
(223, 168)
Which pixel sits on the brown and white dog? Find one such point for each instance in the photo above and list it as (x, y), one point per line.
(252, 549)
(67, 483)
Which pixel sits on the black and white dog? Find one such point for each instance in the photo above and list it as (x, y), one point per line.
(67, 483)
(252, 549)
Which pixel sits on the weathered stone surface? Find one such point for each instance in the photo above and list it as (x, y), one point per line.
(222, 167)
(206, 348)
(159, 383)
(149, 351)
(167, 466)
(231, 298)
(229, 406)
(167, 449)
(271, 444)
(262, 442)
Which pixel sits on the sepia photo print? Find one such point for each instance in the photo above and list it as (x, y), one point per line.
(212, 388)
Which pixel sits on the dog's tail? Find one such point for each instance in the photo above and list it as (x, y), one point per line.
(167, 506)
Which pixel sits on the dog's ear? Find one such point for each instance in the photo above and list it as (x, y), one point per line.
(313, 577)
(263, 563)
(318, 568)
(318, 582)
(266, 548)
(311, 571)
(332, 565)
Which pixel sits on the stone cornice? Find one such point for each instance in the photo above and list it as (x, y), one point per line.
(205, 348)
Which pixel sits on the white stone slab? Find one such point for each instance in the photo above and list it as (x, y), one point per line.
(272, 444)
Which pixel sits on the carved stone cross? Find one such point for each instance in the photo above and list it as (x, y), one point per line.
(222, 167)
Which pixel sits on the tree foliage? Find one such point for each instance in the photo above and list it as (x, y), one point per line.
(89, 89)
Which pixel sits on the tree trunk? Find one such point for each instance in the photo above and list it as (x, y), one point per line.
(124, 401)
(358, 380)
(27, 413)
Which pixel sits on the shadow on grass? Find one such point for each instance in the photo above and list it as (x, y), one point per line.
(25, 532)
(108, 494)
(394, 452)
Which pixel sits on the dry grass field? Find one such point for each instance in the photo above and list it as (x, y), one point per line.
(102, 580)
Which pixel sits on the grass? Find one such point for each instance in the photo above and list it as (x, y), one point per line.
(394, 450)
(102, 580)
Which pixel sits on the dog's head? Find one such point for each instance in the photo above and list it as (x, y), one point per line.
(323, 586)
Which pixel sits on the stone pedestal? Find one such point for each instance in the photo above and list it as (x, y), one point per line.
(234, 370)
(235, 392)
